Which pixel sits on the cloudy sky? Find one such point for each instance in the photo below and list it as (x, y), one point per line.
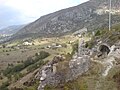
(15, 12)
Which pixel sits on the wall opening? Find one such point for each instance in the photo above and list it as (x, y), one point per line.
(104, 49)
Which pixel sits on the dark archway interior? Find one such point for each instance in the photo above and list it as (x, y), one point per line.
(104, 49)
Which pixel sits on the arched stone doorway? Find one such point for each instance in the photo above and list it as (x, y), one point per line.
(104, 49)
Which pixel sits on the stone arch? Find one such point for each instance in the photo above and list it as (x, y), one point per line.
(104, 49)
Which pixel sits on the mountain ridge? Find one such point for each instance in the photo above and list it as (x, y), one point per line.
(92, 15)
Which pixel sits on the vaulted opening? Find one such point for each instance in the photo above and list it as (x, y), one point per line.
(104, 50)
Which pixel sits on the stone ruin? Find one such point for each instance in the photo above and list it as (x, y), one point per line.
(108, 56)
(103, 50)
(79, 64)
(109, 50)
(48, 74)
(82, 50)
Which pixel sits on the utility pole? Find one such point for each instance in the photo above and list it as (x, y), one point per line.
(110, 14)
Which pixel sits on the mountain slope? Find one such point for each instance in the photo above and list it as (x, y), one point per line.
(92, 15)
(11, 29)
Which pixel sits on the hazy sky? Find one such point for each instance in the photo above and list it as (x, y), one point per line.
(14, 12)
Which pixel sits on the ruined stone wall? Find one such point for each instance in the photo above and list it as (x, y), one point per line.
(79, 64)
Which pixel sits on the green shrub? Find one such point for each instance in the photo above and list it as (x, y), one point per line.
(4, 86)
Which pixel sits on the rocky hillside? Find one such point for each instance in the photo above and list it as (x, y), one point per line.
(11, 29)
(95, 68)
(92, 15)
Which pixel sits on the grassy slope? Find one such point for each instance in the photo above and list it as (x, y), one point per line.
(39, 44)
